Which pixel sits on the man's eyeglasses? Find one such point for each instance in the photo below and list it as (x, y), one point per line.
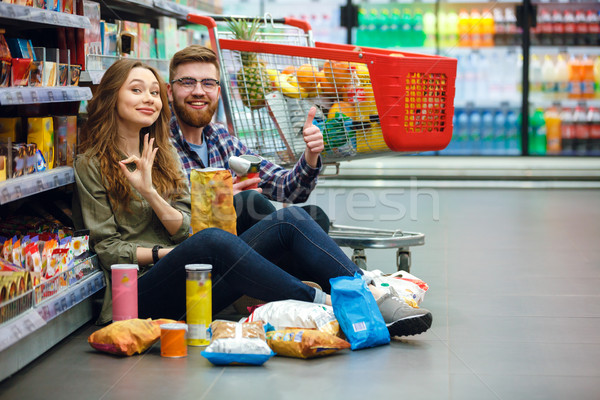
(208, 84)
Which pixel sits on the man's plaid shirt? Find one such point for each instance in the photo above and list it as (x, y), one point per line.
(277, 183)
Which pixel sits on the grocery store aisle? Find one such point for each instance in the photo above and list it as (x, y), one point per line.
(514, 277)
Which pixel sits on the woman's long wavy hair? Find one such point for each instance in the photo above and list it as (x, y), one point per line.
(101, 139)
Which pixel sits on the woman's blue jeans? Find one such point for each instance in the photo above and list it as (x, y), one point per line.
(268, 261)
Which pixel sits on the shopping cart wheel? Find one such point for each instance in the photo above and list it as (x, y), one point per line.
(359, 257)
(403, 260)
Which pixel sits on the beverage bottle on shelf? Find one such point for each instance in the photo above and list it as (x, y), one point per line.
(429, 29)
(487, 29)
(405, 28)
(451, 29)
(499, 28)
(582, 131)
(462, 144)
(394, 29)
(482, 76)
(535, 74)
(464, 29)
(373, 33)
(567, 132)
(519, 77)
(581, 28)
(562, 76)
(475, 25)
(597, 74)
(553, 134)
(512, 132)
(487, 133)
(558, 28)
(545, 26)
(575, 76)
(385, 36)
(570, 30)
(361, 31)
(537, 133)
(587, 78)
(500, 139)
(418, 37)
(593, 118)
(593, 22)
(510, 26)
(470, 76)
(548, 75)
(474, 146)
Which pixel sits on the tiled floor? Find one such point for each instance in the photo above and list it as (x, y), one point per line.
(514, 279)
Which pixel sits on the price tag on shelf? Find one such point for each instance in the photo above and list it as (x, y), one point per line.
(21, 326)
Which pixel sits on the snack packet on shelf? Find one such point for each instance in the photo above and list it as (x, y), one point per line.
(297, 314)
(237, 343)
(304, 343)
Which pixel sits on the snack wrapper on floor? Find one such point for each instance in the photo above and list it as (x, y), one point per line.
(237, 343)
(127, 337)
(212, 200)
(297, 314)
(304, 343)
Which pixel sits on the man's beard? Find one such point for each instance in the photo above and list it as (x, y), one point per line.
(195, 118)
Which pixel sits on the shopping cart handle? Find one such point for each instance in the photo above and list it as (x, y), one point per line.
(298, 23)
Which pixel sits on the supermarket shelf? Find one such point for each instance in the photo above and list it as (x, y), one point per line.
(488, 104)
(98, 64)
(28, 185)
(14, 14)
(25, 338)
(574, 170)
(549, 99)
(12, 96)
(575, 50)
(154, 8)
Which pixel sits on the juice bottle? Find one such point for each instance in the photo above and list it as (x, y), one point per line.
(475, 26)
(394, 29)
(552, 119)
(464, 28)
(548, 75)
(405, 28)
(451, 29)
(574, 77)
(384, 34)
(535, 74)
(361, 32)
(587, 78)
(562, 76)
(597, 74)
(487, 29)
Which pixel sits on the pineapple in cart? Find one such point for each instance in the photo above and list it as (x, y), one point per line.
(252, 78)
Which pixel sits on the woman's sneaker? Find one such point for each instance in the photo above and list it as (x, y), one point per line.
(402, 319)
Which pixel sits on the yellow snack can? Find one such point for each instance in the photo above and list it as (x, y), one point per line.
(198, 302)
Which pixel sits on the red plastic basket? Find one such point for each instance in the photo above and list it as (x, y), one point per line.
(413, 94)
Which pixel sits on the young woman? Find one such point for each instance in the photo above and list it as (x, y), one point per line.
(132, 196)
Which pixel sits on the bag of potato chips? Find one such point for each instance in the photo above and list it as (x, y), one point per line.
(127, 337)
(212, 200)
(304, 343)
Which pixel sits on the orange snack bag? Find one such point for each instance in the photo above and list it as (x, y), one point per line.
(304, 343)
(127, 337)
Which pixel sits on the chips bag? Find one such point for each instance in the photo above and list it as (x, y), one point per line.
(212, 200)
(304, 343)
(127, 337)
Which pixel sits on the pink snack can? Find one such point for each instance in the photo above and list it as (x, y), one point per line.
(124, 291)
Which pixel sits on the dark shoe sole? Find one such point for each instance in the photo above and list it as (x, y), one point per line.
(410, 326)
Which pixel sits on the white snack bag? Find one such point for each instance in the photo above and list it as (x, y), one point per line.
(297, 314)
(409, 287)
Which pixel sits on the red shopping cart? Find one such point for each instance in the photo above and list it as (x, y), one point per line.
(370, 102)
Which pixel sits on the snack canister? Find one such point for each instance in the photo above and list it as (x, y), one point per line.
(198, 302)
(172, 340)
(124, 291)
(253, 170)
